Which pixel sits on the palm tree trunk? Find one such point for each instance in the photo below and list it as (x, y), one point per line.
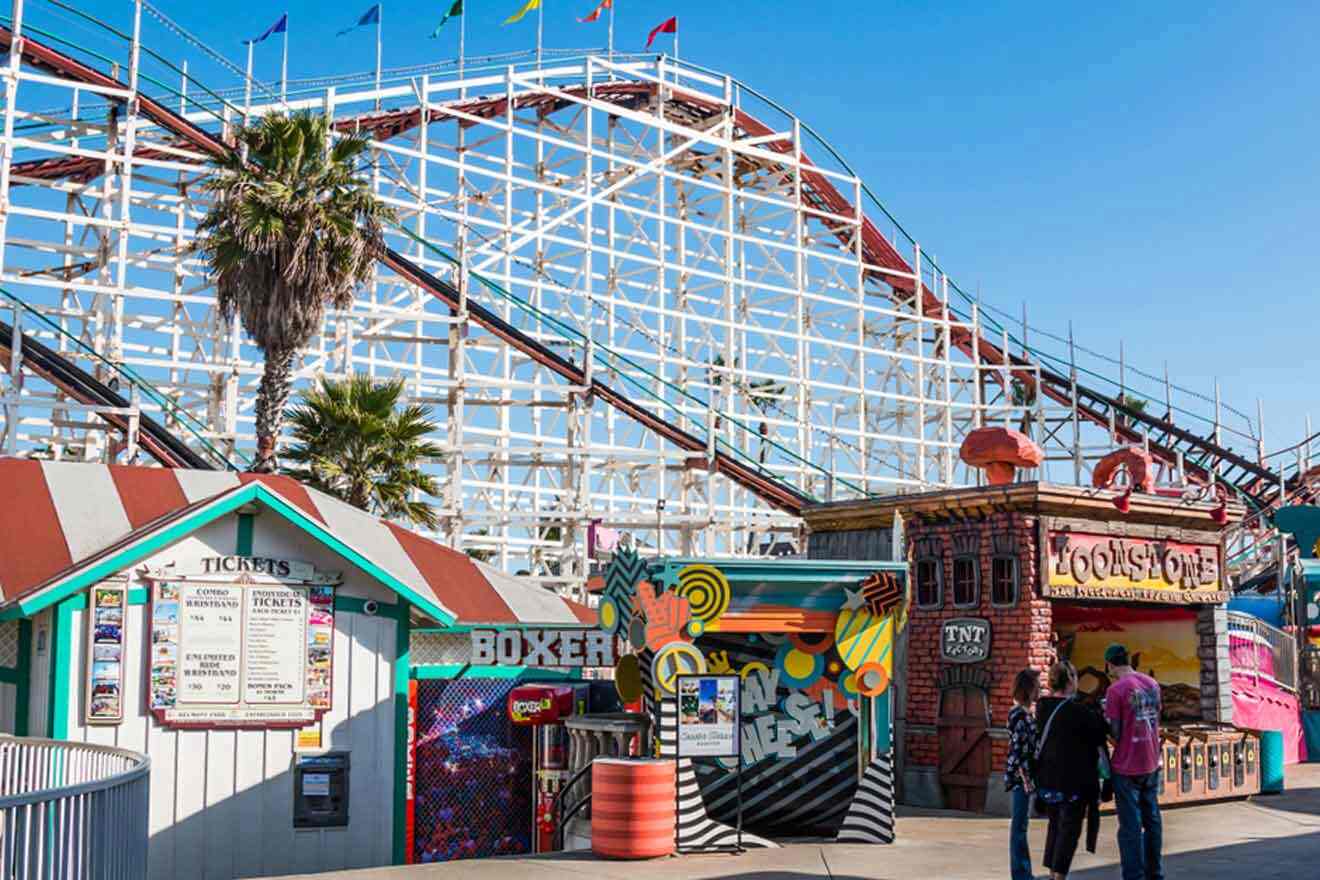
(272, 398)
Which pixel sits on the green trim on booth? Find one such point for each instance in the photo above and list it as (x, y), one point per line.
(243, 546)
(402, 670)
(9, 675)
(355, 605)
(322, 534)
(99, 571)
(58, 709)
(431, 672)
(226, 504)
(136, 596)
(23, 687)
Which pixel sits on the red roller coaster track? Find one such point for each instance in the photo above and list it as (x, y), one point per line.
(1202, 459)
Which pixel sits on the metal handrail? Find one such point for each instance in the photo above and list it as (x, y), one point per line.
(72, 810)
(1281, 646)
(561, 815)
(572, 811)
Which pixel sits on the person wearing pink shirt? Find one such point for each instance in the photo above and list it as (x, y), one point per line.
(1132, 707)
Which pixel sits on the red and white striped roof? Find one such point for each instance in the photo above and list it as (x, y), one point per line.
(57, 516)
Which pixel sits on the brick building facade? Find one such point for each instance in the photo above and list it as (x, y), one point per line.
(976, 554)
(1020, 628)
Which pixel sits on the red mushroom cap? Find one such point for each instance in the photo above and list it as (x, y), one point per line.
(1000, 451)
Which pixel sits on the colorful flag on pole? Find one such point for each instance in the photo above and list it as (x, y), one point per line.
(668, 27)
(280, 26)
(371, 16)
(454, 12)
(527, 7)
(595, 13)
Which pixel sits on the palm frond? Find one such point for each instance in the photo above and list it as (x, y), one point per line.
(353, 441)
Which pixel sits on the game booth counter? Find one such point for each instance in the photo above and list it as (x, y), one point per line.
(1012, 576)
(257, 639)
(807, 647)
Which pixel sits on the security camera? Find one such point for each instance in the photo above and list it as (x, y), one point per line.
(370, 607)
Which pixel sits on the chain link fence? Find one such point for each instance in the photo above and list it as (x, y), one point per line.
(474, 786)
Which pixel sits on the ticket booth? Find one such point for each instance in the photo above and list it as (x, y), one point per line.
(252, 636)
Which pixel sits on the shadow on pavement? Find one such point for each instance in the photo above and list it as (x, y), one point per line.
(1275, 857)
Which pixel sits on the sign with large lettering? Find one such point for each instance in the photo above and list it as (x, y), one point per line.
(1089, 566)
(543, 647)
(240, 654)
(965, 640)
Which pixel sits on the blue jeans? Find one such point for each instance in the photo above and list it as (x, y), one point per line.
(1140, 829)
(1019, 853)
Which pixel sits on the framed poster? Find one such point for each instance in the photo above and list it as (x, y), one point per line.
(107, 605)
(709, 716)
(240, 654)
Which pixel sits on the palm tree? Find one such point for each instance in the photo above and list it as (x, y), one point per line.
(351, 440)
(1129, 407)
(292, 232)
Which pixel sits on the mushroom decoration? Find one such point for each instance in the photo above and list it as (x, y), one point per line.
(1000, 451)
(1140, 469)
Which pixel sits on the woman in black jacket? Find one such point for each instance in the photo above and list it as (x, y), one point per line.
(1072, 739)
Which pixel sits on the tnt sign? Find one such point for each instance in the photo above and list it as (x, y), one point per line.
(965, 640)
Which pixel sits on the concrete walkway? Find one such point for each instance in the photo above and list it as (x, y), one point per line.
(1262, 839)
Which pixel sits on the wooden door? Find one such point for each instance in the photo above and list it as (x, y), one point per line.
(965, 758)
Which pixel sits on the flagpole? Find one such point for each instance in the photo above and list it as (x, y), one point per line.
(540, 18)
(247, 86)
(675, 38)
(609, 51)
(284, 64)
(380, 16)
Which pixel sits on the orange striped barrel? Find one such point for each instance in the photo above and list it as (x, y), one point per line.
(632, 808)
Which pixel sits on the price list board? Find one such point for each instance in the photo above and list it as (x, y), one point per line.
(240, 655)
(211, 643)
(275, 635)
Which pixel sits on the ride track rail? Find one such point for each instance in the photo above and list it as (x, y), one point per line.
(1201, 459)
(158, 441)
(780, 495)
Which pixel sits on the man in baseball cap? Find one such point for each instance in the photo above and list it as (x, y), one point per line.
(1132, 707)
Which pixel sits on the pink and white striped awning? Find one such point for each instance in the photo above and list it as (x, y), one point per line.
(57, 517)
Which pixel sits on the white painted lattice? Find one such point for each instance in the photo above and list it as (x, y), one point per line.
(435, 648)
(9, 643)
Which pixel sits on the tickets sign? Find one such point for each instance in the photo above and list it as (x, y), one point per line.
(1089, 566)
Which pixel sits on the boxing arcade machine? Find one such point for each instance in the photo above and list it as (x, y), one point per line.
(544, 708)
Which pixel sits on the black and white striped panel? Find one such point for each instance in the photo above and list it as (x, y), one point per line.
(871, 817)
(696, 830)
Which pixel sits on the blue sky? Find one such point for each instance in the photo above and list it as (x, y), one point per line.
(1147, 171)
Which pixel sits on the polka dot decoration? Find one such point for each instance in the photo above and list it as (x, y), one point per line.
(798, 669)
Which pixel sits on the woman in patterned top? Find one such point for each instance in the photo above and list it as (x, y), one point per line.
(1020, 770)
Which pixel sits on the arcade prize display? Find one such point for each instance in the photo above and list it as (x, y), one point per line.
(544, 708)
